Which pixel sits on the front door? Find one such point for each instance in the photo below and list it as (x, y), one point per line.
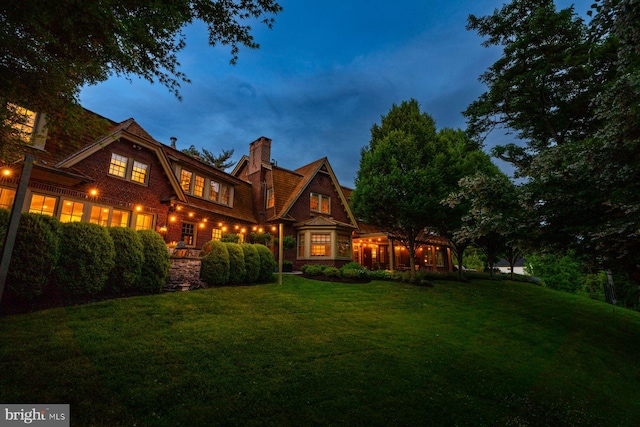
(366, 257)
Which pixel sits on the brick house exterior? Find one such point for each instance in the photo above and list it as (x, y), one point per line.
(122, 176)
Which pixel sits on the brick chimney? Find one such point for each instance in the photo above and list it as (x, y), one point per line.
(259, 151)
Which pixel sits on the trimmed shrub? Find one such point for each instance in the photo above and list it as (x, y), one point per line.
(129, 257)
(35, 255)
(237, 269)
(156, 264)
(86, 258)
(331, 272)
(230, 238)
(251, 262)
(206, 249)
(314, 270)
(215, 265)
(267, 264)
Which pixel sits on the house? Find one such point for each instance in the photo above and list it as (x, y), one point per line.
(518, 268)
(308, 201)
(121, 176)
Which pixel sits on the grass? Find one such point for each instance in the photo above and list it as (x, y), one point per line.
(316, 353)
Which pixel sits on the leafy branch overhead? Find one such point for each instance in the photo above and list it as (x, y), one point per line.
(50, 50)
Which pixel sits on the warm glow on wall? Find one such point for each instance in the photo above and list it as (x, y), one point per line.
(173, 218)
(255, 228)
(260, 230)
(244, 230)
(224, 228)
(6, 172)
(202, 225)
(138, 208)
(190, 214)
(93, 192)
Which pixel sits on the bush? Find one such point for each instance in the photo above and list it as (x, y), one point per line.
(230, 238)
(156, 265)
(260, 238)
(35, 255)
(314, 270)
(129, 257)
(351, 266)
(215, 265)
(206, 249)
(331, 272)
(237, 269)
(86, 258)
(251, 262)
(267, 264)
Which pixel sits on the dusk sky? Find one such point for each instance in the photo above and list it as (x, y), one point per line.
(325, 73)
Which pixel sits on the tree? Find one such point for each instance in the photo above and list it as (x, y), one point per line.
(220, 162)
(570, 90)
(50, 50)
(494, 221)
(405, 172)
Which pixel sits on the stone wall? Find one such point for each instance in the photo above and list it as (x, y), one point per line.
(184, 274)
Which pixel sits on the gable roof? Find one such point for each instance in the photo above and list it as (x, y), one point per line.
(132, 131)
(300, 180)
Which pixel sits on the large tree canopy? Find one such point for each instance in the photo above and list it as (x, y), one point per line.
(405, 172)
(570, 90)
(50, 49)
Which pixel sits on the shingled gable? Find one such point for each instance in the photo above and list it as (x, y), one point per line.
(133, 132)
(307, 173)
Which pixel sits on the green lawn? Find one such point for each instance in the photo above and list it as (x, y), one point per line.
(316, 353)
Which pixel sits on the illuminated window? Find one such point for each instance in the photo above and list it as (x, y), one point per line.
(344, 246)
(320, 203)
(119, 218)
(144, 221)
(271, 200)
(198, 186)
(71, 211)
(139, 172)
(118, 165)
(216, 234)
(224, 195)
(6, 198)
(320, 244)
(214, 191)
(99, 215)
(301, 245)
(188, 233)
(25, 122)
(43, 205)
(185, 180)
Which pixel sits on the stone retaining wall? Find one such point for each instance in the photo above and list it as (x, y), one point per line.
(184, 274)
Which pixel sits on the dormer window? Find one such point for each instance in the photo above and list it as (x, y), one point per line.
(320, 203)
(29, 125)
(271, 200)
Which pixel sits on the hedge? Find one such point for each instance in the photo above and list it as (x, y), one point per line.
(86, 257)
(129, 257)
(214, 268)
(267, 264)
(237, 269)
(156, 265)
(35, 253)
(251, 262)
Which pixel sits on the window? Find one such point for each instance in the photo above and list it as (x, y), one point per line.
(185, 180)
(320, 203)
(188, 231)
(118, 165)
(271, 200)
(139, 172)
(99, 215)
(6, 198)
(71, 211)
(25, 122)
(216, 234)
(320, 245)
(144, 221)
(224, 195)
(301, 245)
(214, 191)
(120, 218)
(198, 187)
(43, 205)
(344, 246)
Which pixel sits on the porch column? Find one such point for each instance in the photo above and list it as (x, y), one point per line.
(392, 255)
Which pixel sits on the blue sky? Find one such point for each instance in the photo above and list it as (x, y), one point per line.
(325, 73)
